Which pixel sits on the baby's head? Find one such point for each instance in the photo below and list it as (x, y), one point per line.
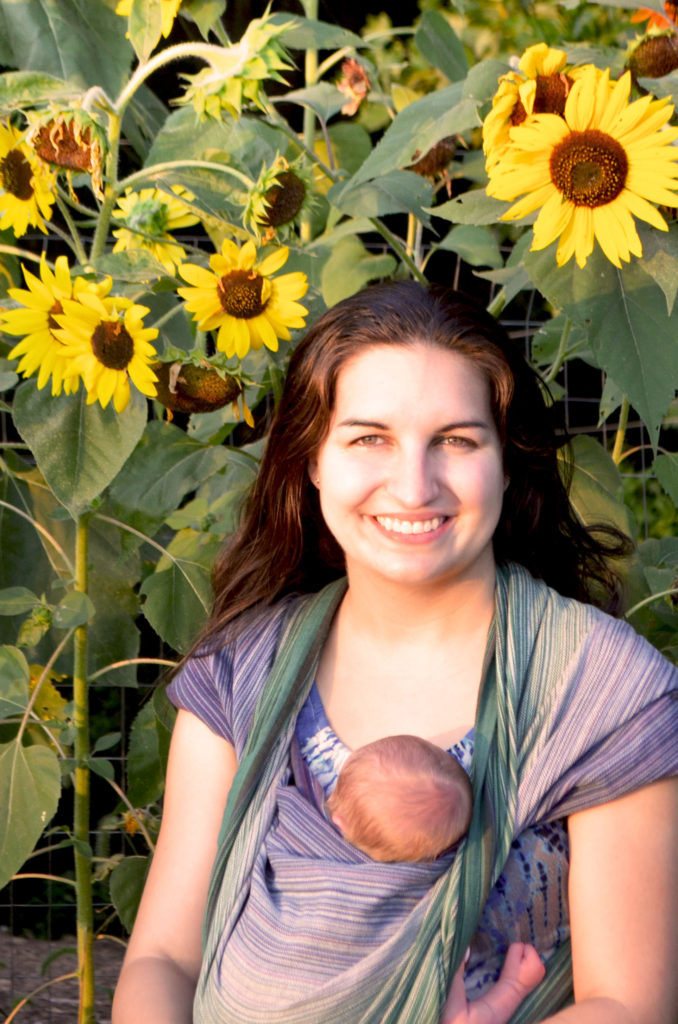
(402, 798)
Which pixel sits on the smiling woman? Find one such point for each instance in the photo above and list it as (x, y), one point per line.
(412, 463)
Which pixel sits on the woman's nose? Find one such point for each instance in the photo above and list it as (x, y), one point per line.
(413, 479)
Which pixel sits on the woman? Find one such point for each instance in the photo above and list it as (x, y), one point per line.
(412, 451)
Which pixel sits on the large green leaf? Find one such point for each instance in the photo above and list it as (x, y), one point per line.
(80, 40)
(205, 13)
(146, 757)
(30, 88)
(79, 448)
(127, 884)
(245, 143)
(417, 128)
(632, 336)
(308, 33)
(113, 577)
(323, 99)
(476, 245)
(393, 192)
(474, 207)
(30, 784)
(350, 267)
(165, 466)
(145, 26)
(15, 680)
(179, 593)
(596, 490)
(665, 468)
(441, 45)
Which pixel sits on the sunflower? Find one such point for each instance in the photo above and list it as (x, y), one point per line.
(40, 348)
(26, 184)
(107, 344)
(170, 9)
(592, 171)
(241, 299)
(540, 86)
(278, 199)
(149, 217)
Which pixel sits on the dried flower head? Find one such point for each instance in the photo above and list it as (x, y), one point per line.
(73, 141)
(654, 56)
(190, 388)
(354, 84)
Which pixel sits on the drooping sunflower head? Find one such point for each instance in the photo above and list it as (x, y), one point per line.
(26, 184)
(71, 141)
(238, 72)
(354, 84)
(242, 300)
(540, 85)
(191, 387)
(149, 217)
(654, 56)
(591, 172)
(108, 345)
(278, 199)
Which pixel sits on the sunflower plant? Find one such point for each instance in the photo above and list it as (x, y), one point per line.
(171, 218)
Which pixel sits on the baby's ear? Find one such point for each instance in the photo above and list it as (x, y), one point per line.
(338, 820)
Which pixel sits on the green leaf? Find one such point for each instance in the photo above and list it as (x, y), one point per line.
(205, 13)
(136, 266)
(179, 593)
(15, 681)
(145, 26)
(660, 260)
(474, 207)
(111, 739)
(665, 468)
(245, 144)
(475, 245)
(323, 99)
(631, 335)
(483, 78)
(308, 33)
(127, 884)
(74, 610)
(78, 40)
(17, 600)
(146, 757)
(596, 490)
(79, 448)
(30, 784)
(394, 192)
(165, 466)
(417, 128)
(30, 88)
(101, 767)
(441, 46)
(350, 267)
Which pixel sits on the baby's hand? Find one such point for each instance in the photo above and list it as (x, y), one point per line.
(521, 973)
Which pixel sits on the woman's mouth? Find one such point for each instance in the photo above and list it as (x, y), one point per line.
(410, 526)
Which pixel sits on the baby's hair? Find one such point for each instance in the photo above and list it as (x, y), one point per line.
(402, 798)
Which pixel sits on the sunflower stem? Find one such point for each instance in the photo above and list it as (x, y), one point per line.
(77, 245)
(155, 170)
(497, 304)
(308, 131)
(617, 451)
(110, 190)
(557, 363)
(399, 249)
(81, 794)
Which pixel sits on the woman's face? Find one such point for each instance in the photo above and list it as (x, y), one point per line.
(411, 475)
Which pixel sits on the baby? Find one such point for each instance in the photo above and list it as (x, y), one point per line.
(402, 798)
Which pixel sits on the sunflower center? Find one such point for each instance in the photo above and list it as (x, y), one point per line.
(285, 199)
(112, 344)
(56, 309)
(589, 168)
(16, 175)
(240, 294)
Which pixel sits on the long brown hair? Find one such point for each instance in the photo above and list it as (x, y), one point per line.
(283, 545)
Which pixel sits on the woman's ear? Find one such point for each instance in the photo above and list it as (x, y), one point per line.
(312, 470)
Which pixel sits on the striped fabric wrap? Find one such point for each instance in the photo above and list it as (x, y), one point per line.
(302, 928)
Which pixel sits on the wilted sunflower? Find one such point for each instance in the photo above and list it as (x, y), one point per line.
(107, 344)
(540, 86)
(591, 172)
(150, 216)
(170, 10)
(26, 184)
(242, 300)
(40, 348)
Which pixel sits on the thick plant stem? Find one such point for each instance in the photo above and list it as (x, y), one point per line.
(81, 796)
(617, 451)
(310, 76)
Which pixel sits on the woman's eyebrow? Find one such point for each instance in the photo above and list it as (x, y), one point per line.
(457, 425)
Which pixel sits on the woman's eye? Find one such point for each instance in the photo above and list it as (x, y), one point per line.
(368, 441)
(455, 441)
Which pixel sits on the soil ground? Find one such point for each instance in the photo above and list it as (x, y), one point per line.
(27, 963)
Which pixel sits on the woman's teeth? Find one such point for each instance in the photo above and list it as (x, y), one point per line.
(409, 525)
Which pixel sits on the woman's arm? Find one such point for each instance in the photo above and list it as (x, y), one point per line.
(624, 910)
(161, 966)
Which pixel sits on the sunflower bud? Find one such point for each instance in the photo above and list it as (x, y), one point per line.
(189, 388)
(654, 56)
(72, 141)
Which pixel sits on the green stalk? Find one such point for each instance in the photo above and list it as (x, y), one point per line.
(556, 366)
(81, 794)
(617, 451)
(110, 189)
(308, 133)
